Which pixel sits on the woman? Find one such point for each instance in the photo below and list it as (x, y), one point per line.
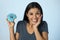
(32, 27)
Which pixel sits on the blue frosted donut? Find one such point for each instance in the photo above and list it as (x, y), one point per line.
(11, 17)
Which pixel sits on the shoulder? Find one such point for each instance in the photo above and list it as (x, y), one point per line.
(43, 26)
(21, 23)
(20, 26)
(44, 23)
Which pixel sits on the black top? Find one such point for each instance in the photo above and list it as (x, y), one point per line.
(24, 35)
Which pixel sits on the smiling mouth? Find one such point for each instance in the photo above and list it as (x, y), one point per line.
(35, 20)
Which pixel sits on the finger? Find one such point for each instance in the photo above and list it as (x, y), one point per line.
(39, 19)
(9, 23)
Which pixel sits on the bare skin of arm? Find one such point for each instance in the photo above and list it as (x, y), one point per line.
(37, 34)
(39, 37)
(11, 29)
(12, 35)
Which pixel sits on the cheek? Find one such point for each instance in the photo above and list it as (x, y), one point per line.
(39, 16)
(30, 17)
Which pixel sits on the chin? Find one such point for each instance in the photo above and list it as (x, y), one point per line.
(34, 23)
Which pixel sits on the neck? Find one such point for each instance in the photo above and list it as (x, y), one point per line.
(29, 24)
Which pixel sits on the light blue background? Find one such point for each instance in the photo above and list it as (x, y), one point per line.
(51, 10)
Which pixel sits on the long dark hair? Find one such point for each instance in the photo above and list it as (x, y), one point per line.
(32, 5)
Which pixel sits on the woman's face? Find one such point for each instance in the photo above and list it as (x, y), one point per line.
(33, 15)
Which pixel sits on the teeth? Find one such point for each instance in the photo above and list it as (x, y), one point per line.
(34, 20)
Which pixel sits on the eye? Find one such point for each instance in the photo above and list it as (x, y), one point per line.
(31, 13)
(38, 13)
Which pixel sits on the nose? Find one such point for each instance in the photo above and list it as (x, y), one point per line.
(34, 16)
